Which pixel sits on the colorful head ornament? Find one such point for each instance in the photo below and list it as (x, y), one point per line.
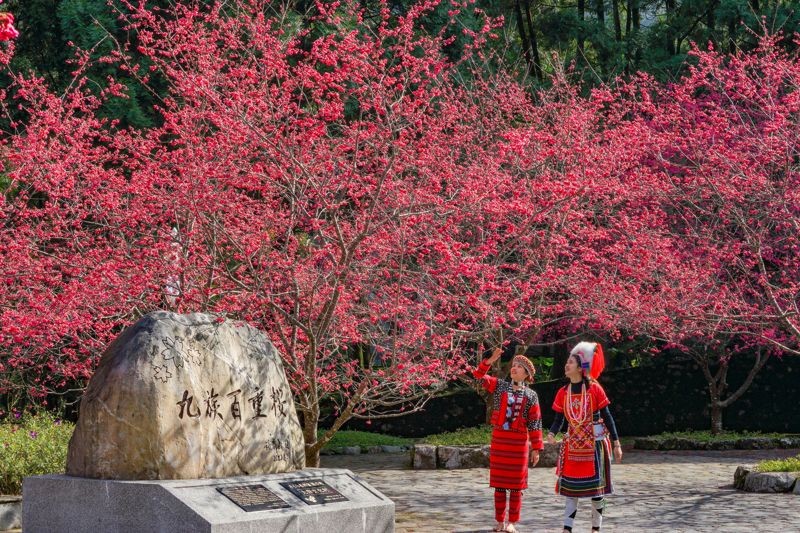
(591, 358)
(525, 363)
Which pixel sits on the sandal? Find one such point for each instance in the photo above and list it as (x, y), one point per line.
(499, 527)
(511, 528)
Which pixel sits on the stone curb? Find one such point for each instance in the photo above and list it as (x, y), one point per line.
(432, 457)
(357, 450)
(752, 443)
(10, 512)
(747, 480)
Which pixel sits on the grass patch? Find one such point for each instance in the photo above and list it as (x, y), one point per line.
(364, 439)
(461, 437)
(790, 464)
(32, 446)
(707, 436)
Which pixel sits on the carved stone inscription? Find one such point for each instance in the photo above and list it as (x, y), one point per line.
(219, 405)
(253, 497)
(314, 491)
(187, 397)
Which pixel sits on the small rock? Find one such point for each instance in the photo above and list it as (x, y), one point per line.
(722, 445)
(351, 450)
(456, 457)
(740, 475)
(374, 449)
(646, 444)
(393, 449)
(424, 457)
(677, 444)
(789, 442)
(753, 443)
(548, 457)
(769, 482)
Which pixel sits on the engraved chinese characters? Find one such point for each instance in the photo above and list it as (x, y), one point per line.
(187, 396)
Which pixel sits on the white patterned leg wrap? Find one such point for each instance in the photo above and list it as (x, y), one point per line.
(570, 510)
(598, 504)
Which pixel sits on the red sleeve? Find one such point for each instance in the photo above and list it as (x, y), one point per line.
(599, 398)
(558, 403)
(488, 382)
(535, 422)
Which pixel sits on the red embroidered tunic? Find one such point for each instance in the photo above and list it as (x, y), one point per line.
(516, 429)
(583, 469)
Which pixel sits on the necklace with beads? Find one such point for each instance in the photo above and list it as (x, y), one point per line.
(578, 414)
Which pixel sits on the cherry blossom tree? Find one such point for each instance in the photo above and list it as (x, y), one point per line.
(302, 188)
(728, 149)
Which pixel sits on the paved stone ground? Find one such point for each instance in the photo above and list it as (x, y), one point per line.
(682, 491)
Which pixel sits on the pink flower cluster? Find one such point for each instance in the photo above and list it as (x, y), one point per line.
(7, 29)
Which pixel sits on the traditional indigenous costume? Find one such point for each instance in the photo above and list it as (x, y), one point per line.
(516, 430)
(584, 462)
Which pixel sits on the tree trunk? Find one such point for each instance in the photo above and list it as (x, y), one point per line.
(670, 10)
(718, 383)
(314, 443)
(716, 418)
(534, 45)
(581, 16)
(628, 17)
(310, 428)
(732, 36)
(711, 20)
(600, 43)
(617, 20)
(523, 37)
(632, 27)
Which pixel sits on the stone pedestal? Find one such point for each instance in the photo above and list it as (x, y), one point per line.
(315, 499)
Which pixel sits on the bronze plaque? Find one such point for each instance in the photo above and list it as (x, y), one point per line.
(314, 491)
(253, 497)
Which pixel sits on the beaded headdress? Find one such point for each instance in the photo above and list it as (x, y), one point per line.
(525, 363)
(590, 355)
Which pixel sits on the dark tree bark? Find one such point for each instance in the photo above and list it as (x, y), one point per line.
(670, 41)
(711, 20)
(534, 45)
(523, 37)
(581, 37)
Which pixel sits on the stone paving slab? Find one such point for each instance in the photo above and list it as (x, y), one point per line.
(682, 491)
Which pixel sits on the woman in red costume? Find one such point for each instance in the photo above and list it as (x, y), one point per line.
(516, 435)
(584, 464)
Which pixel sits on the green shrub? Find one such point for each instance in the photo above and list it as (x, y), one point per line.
(790, 464)
(364, 439)
(707, 436)
(461, 437)
(31, 446)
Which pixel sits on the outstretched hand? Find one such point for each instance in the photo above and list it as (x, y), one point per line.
(496, 353)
